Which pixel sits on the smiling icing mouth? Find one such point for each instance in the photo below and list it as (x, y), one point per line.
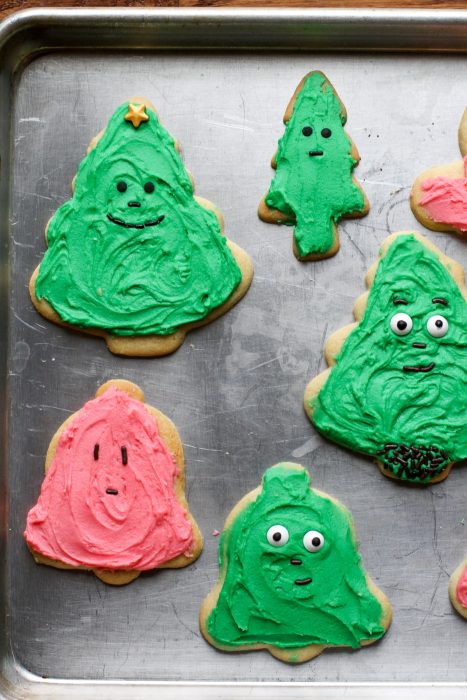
(303, 581)
(155, 222)
(419, 368)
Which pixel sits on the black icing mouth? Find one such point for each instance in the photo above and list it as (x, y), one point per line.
(119, 222)
(112, 492)
(315, 153)
(419, 368)
(303, 581)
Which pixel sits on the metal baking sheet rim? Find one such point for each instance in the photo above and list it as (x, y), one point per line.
(25, 34)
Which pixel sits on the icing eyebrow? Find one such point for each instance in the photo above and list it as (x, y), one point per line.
(398, 300)
(440, 300)
(124, 456)
(96, 452)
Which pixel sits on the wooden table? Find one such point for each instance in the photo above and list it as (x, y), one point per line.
(9, 6)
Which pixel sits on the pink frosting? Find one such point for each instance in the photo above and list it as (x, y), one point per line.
(461, 590)
(445, 200)
(77, 522)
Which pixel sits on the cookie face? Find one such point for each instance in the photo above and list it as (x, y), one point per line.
(112, 497)
(313, 187)
(291, 578)
(134, 256)
(397, 389)
(439, 195)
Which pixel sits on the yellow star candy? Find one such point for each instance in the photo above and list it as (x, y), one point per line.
(136, 114)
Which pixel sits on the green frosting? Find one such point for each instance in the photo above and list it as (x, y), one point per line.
(315, 190)
(135, 270)
(260, 601)
(415, 422)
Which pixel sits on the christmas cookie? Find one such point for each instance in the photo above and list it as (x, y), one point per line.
(439, 195)
(396, 388)
(291, 580)
(314, 186)
(113, 497)
(134, 256)
(458, 589)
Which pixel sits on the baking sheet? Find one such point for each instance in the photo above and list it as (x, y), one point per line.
(235, 388)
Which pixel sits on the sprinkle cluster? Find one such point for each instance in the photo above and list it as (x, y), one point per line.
(414, 462)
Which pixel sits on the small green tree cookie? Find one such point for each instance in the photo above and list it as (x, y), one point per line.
(396, 388)
(291, 580)
(314, 185)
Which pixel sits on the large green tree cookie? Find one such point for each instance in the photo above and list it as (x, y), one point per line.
(314, 185)
(397, 385)
(134, 256)
(291, 580)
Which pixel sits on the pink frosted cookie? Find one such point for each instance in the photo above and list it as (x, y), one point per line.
(458, 589)
(439, 195)
(113, 499)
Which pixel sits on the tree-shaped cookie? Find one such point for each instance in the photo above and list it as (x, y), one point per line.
(113, 499)
(439, 195)
(458, 589)
(134, 256)
(396, 388)
(314, 185)
(291, 580)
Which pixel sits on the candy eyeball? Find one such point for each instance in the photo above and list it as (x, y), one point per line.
(437, 326)
(277, 535)
(401, 324)
(313, 540)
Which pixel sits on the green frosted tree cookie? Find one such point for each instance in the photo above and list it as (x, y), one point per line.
(291, 580)
(314, 185)
(397, 385)
(134, 255)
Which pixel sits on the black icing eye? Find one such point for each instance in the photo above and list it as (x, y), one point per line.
(122, 186)
(307, 131)
(326, 133)
(149, 187)
(277, 535)
(124, 456)
(96, 452)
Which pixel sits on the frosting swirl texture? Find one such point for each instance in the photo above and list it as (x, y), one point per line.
(108, 498)
(133, 252)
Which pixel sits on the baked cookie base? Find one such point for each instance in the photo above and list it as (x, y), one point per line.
(294, 655)
(335, 342)
(454, 170)
(152, 345)
(453, 581)
(275, 216)
(169, 435)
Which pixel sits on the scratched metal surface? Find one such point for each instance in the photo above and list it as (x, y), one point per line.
(235, 388)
